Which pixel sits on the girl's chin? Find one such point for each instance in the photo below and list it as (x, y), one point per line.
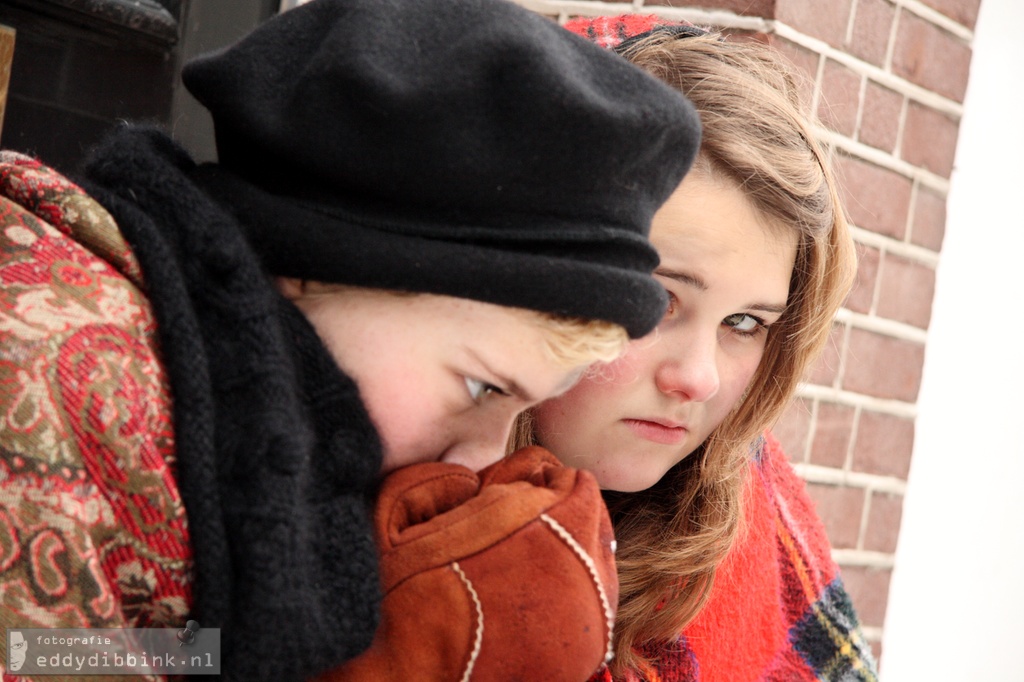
(630, 481)
(636, 475)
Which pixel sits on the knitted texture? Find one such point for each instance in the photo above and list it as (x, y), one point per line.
(277, 456)
(778, 611)
(422, 145)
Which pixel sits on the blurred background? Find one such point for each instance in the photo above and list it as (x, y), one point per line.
(905, 430)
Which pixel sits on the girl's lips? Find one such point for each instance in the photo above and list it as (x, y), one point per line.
(655, 432)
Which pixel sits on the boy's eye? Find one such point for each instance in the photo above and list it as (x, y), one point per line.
(743, 323)
(672, 304)
(478, 390)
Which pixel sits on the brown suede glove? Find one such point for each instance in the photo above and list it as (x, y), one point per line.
(506, 575)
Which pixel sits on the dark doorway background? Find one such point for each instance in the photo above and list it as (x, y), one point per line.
(82, 65)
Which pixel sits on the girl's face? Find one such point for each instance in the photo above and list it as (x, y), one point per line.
(727, 274)
(442, 378)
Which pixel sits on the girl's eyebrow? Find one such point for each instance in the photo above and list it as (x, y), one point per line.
(768, 307)
(696, 282)
(684, 278)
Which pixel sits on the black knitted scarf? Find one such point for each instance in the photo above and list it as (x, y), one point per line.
(276, 454)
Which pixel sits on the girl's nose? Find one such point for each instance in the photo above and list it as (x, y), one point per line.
(691, 372)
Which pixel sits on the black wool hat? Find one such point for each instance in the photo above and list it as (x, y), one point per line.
(462, 147)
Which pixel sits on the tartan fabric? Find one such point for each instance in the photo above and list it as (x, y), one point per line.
(609, 32)
(778, 611)
(93, 531)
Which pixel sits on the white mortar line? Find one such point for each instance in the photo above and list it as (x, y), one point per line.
(892, 81)
(872, 634)
(851, 442)
(883, 159)
(716, 18)
(815, 473)
(865, 516)
(712, 17)
(881, 325)
(908, 227)
(863, 558)
(585, 8)
(939, 19)
(918, 254)
(896, 408)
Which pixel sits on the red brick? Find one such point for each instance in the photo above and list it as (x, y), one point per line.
(907, 291)
(742, 36)
(840, 98)
(964, 12)
(876, 199)
(883, 366)
(884, 444)
(823, 19)
(929, 226)
(840, 509)
(869, 591)
(884, 518)
(930, 57)
(825, 369)
(872, 25)
(805, 65)
(752, 8)
(832, 430)
(863, 292)
(792, 429)
(880, 122)
(929, 139)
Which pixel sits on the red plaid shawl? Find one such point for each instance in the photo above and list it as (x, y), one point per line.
(778, 610)
(92, 528)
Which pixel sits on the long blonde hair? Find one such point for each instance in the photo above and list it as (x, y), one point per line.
(672, 536)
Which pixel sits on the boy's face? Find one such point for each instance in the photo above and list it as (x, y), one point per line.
(442, 378)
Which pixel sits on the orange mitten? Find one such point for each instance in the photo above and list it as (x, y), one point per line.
(506, 575)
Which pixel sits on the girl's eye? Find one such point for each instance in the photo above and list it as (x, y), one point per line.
(478, 390)
(744, 324)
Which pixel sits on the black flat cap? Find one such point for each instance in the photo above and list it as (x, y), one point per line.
(462, 147)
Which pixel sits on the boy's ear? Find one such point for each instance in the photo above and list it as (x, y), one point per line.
(290, 287)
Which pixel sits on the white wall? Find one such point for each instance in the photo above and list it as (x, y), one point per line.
(956, 605)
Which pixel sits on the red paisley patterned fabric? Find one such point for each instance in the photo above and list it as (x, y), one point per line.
(93, 531)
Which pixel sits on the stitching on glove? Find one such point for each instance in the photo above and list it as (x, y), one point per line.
(479, 622)
(588, 561)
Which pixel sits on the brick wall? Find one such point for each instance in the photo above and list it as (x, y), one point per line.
(889, 78)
